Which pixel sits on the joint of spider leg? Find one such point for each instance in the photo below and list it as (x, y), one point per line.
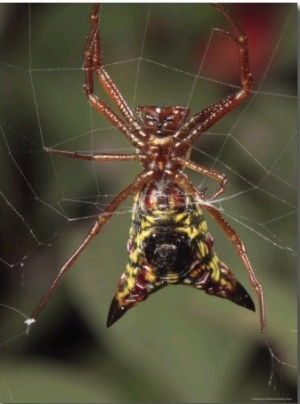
(94, 17)
(138, 127)
(238, 243)
(242, 40)
(227, 34)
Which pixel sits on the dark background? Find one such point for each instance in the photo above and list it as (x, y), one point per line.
(180, 345)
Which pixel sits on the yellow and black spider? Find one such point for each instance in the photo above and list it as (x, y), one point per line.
(169, 242)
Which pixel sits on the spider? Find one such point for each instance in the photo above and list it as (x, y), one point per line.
(169, 242)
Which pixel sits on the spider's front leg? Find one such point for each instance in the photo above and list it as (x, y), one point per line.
(94, 65)
(93, 62)
(203, 120)
(92, 59)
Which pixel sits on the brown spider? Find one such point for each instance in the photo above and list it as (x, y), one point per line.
(169, 241)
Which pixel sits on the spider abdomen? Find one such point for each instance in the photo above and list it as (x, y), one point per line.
(169, 243)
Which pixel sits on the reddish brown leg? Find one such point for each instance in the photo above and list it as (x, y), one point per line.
(93, 64)
(235, 239)
(92, 53)
(97, 157)
(99, 105)
(202, 121)
(220, 177)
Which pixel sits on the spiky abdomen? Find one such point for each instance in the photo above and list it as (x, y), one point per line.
(169, 243)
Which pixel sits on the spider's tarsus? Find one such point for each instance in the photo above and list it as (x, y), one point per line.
(219, 7)
(230, 19)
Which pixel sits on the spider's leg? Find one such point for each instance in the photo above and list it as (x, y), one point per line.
(103, 77)
(98, 104)
(100, 221)
(216, 175)
(235, 239)
(93, 63)
(203, 120)
(97, 157)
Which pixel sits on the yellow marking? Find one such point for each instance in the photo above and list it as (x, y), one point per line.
(150, 219)
(204, 226)
(203, 249)
(224, 282)
(172, 277)
(134, 255)
(150, 277)
(214, 268)
(180, 217)
(130, 283)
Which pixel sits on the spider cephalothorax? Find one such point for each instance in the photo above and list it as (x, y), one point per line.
(169, 242)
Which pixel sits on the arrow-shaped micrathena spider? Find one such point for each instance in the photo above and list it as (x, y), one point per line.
(169, 242)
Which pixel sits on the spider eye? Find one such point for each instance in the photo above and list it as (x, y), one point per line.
(151, 118)
(169, 118)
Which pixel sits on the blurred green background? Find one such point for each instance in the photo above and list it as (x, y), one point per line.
(180, 345)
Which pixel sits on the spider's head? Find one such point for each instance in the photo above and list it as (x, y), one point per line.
(162, 121)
